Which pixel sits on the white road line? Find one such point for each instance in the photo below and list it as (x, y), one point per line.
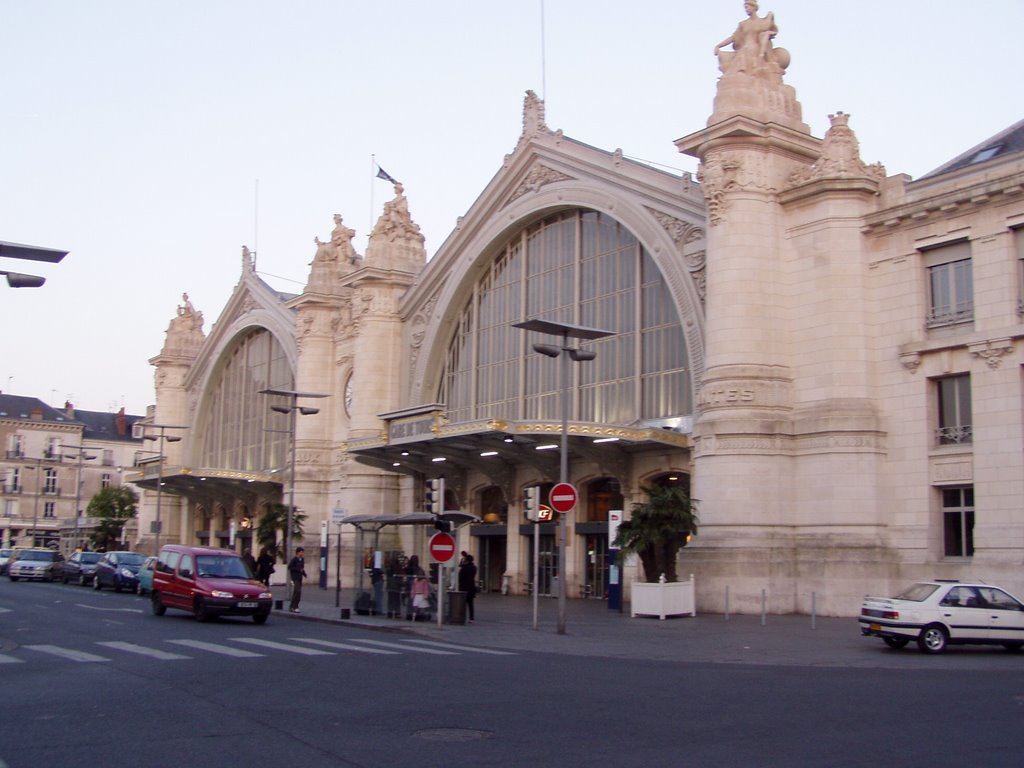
(155, 653)
(466, 648)
(108, 610)
(224, 650)
(407, 647)
(9, 660)
(343, 646)
(66, 653)
(281, 646)
(5, 610)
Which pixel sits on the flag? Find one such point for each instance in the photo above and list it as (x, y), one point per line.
(382, 174)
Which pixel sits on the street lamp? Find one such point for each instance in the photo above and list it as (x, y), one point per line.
(163, 438)
(293, 410)
(32, 253)
(578, 355)
(81, 455)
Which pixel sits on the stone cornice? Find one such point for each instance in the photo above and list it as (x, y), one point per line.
(959, 200)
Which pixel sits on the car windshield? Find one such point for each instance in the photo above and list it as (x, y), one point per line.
(5, 553)
(222, 566)
(130, 558)
(917, 592)
(48, 557)
(91, 557)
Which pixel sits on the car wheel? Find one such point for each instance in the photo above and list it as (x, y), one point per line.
(82, 581)
(139, 590)
(200, 610)
(1013, 647)
(933, 639)
(96, 583)
(261, 618)
(896, 642)
(158, 607)
(13, 578)
(64, 579)
(117, 584)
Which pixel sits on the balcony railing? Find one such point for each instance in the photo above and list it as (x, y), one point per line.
(950, 315)
(961, 435)
(15, 453)
(11, 488)
(51, 491)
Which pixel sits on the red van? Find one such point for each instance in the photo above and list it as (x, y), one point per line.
(208, 582)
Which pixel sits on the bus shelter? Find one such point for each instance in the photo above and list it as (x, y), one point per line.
(384, 578)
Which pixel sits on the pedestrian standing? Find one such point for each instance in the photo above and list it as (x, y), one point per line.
(467, 581)
(297, 572)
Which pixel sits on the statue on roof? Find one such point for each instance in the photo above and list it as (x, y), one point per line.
(395, 222)
(753, 53)
(185, 332)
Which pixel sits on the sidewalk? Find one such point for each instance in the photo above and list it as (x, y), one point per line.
(506, 621)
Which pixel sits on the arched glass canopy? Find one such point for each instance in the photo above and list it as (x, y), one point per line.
(235, 429)
(579, 267)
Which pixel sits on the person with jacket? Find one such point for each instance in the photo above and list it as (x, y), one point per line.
(467, 581)
(296, 573)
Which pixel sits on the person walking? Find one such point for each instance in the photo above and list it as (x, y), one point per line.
(297, 572)
(264, 566)
(467, 581)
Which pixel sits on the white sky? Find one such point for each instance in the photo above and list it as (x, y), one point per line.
(134, 132)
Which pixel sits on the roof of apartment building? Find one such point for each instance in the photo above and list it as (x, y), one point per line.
(96, 425)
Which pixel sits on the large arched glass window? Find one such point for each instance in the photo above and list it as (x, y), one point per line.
(579, 267)
(235, 431)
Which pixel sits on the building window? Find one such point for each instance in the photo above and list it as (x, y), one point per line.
(9, 509)
(105, 480)
(578, 267)
(50, 483)
(14, 481)
(239, 431)
(954, 410)
(950, 285)
(958, 521)
(52, 450)
(15, 449)
(50, 509)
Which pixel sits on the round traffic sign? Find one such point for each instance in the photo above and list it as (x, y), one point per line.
(442, 547)
(563, 497)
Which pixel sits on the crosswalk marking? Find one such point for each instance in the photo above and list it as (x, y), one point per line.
(9, 660)
(343, 646)
(155, 653)
(466, 648)
(224, 650)
(281, 646)
(66, 653)
(383, 644)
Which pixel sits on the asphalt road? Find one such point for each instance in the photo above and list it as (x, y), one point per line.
(92, 678)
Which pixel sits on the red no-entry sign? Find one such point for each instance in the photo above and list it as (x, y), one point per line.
(563, 497)
(442, 547)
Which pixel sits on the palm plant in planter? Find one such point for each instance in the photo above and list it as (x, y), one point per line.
(273, 523)
(658, 529)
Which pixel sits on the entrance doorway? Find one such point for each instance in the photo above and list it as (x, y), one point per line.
(595, 583)
(548, 561)
(492, 562)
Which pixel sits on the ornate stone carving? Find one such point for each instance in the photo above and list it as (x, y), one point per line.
(991, 351)
(840, 156)
(685, 235)
(717, 175)
(753, 53)
(751, 82)
(395, 223)
(538, 176)
(911, 361)
(185, 332)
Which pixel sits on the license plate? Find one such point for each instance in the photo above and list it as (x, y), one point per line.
(876, 627)
(247, 604)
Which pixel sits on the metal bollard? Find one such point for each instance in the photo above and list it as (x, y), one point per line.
(726, 602)
(763, 608)
(814, 610)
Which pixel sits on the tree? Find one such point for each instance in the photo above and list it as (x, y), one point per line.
(658, 529)
(273, 522)
(114, 507)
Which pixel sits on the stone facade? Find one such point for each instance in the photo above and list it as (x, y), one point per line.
(851, 343)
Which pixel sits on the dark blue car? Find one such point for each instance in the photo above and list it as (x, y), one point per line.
(119, 570)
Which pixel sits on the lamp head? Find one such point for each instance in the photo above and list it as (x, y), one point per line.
(547, 349)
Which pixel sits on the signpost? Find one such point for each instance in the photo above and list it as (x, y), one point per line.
(563, 497)
(442, 549)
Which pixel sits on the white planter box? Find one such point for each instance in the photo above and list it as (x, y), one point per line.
(663, 599)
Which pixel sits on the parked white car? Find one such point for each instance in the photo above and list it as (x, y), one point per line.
(939, 613)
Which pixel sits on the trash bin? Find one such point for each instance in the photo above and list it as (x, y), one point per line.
(456, 607)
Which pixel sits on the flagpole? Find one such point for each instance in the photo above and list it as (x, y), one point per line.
(373, 175)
